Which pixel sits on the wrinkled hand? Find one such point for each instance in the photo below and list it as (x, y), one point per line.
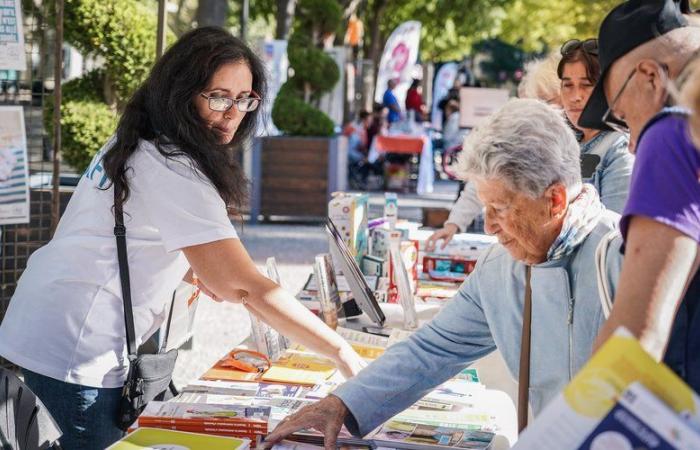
(446, 233)
(326, 416)
(349, 362)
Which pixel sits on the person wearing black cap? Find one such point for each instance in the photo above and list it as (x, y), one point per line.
(659, 291)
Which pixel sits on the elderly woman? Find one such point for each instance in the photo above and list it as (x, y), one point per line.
(539, 82)
(525, 164)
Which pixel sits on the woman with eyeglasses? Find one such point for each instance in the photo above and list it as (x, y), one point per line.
(172, 164)
(605, 161)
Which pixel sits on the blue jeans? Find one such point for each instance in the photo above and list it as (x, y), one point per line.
(86, 415)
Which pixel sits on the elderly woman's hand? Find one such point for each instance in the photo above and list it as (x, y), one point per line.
(446, 233)
(326, 416)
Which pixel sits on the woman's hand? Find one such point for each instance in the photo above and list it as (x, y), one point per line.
(446, 233)
(349, 362)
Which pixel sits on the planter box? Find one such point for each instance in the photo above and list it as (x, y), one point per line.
(295, 176)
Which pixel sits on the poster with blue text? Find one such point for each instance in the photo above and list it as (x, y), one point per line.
(12, 55)
(14, 179)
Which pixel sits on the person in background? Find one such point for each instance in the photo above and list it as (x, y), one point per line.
(659, 288)
(605, 161)
(172, 167)
(540, 80)
(415, 102)
(378, 124)
(358, 149)
(391, 103)
(524, 160)
(452, 135)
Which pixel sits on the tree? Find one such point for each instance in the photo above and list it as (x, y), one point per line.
(315, 73)
(123, 34)
(537, 24)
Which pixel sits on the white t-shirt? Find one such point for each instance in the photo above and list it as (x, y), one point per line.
(66, 318)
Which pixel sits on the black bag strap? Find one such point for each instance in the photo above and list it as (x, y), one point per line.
(122, 257)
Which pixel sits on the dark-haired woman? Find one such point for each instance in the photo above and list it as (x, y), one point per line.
(605, 161)
(171, 161)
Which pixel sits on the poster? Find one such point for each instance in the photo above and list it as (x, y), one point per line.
(11, 36)
(398, 60)
(444, 80)
(14, 185)
(476, 104)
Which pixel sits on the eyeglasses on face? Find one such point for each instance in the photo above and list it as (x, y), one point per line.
(609, 117)
(223, 104)
(589, 46)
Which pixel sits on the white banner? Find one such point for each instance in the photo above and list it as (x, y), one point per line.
(399, 58)
(11, 36)
(444, 80)
(274, 55)
(14, 187)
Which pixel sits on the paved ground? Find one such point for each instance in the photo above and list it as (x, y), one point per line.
(220, 327)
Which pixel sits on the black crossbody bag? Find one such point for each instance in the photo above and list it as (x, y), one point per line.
(150, 375)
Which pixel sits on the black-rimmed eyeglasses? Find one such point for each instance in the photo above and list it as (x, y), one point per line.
(609, 117)
(223, 104)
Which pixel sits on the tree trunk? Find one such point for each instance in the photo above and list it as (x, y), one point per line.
(376, 45)
(284, 16)
(212, 12)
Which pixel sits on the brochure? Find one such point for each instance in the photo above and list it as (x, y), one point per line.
(411, 436)
(154, 438)
(300, 368)
(572, 415)
(640, 420)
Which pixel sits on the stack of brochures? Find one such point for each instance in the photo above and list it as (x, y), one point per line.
(621, 399)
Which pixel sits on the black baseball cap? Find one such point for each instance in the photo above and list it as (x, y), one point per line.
(626, 27)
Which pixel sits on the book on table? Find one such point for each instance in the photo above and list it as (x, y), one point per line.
(234, 420)
(412, 436)
(154, 438)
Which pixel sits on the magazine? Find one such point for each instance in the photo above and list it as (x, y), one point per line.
(412, 436)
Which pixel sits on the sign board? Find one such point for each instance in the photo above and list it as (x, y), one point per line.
(476, 104)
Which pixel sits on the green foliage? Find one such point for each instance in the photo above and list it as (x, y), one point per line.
(86, 120)
(85, 127)
(449, 28)
(299, 118)
(123, 34)
(503, 60)
(315, 73)
(538, 24)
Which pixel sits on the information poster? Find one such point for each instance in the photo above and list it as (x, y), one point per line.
(14, 178)
(12, 54)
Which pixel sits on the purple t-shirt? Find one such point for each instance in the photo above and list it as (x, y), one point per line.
(665, 183)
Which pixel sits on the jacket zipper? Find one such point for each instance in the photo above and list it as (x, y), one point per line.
(571, 337)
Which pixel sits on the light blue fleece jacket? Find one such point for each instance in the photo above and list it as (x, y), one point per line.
(487, 314)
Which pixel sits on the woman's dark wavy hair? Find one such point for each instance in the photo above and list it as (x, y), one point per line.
(162, 110)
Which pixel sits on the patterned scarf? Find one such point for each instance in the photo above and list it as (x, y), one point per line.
(583, 215)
